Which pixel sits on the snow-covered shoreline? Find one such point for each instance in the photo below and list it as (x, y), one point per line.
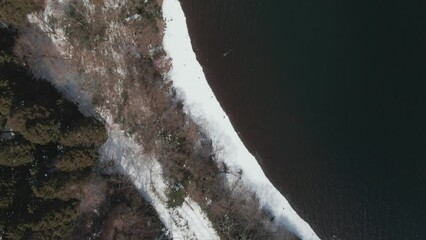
(201, 104)
(187, 221)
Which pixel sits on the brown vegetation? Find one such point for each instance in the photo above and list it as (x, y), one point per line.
(80, 26)
(123, 68)
(122, 214)
(14, 11)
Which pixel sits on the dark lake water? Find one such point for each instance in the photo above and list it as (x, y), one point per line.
(330, 96)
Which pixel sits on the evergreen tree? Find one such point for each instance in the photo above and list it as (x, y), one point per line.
(2, 122)
(55, 218)
(16, 152)
(6, 98)
(48, 222)
(7, 191)
(77, 159)
(36, 123)
(60, 186)
(6, 58)
(86, 132)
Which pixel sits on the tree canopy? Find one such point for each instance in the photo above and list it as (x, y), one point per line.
(45, 163)
(36, 123)
(77, 159)
(16, 152)
(86, 132)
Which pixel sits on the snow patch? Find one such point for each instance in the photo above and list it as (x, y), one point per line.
(134, 17)
(184, 222)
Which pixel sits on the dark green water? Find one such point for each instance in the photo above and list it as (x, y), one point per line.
(330, 95)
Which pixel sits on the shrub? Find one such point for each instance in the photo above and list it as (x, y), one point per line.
(6, 58)
(176, 196)
(14, 12)
(78, 26)
(149, 10)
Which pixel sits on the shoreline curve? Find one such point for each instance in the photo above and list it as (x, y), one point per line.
(202, 106)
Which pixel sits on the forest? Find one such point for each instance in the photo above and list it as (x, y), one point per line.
(52, 185)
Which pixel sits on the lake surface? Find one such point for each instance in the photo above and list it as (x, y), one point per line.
(330, 97)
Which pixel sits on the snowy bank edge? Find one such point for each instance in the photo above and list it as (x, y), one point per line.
(200, 103)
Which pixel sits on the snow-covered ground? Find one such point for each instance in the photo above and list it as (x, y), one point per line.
(201, 104)
(184, 222)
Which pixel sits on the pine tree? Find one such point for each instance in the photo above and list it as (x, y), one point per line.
(77, 159)
(16, 152)
(48, 222)
(7, 191)
(54, 219)
(6, 98)
(63, 186)
(85, 132)
(36, 123)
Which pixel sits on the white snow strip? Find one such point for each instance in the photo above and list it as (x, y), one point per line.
(201, 104)
(185, 222)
